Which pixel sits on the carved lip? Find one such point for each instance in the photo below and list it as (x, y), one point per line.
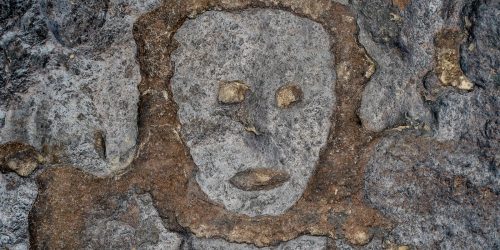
(259, 179)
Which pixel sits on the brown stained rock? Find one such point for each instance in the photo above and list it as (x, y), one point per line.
(371, 69)
(20, 158)
(401, 4)
(288, 95)
(232, 92)
(357, 226)
(358, 235)
(259, 179)
(100, 143)
(448, 68)
(164, 168)
(389, 245)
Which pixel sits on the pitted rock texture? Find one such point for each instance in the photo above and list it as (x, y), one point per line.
(300, 243)
(87, 83)
(128, 222)
(17, 196)
(265, 49)
(68, 71)
(441, 194)
(164, 168)
(19, 158)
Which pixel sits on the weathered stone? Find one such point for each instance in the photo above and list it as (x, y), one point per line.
(163, 166)
(480, 55)
(91, 87)
(4, 9)
(343, 244)
(20, 158)
(259, 179)
(358, 235)
(75, 91)
(287, 95)
(388, 244)
(74, 23)
(401, 4)
(448, 60)
(300, 243)
(440, 194)
(129, 222)
(17, 195)
(286, 140)
(232, 92)
(401, 42)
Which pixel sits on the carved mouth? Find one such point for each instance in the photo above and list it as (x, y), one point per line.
(259, 179)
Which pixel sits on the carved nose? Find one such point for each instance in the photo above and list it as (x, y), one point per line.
(259, 179)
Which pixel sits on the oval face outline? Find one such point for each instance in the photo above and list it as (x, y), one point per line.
(253, 132)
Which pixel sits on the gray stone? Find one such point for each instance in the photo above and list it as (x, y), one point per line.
(266, 49)
(68, 80)
(480, 54)
(300, 243)
(58, 97)
(17, 195)
(401, 43)
(135, 224)
(435, 194)
(342, 244)
(61, 97)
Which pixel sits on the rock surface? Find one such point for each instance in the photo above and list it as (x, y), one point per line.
(132, 222)
(20, 158)
(265, 49)
(441, 195)
(17, 195)
(68, 72)
(301, 243)
(420, 148)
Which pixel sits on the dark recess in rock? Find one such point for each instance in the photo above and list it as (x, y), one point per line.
(383, 22)
(75, 23)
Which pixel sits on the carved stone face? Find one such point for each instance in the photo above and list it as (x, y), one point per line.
(255, 92)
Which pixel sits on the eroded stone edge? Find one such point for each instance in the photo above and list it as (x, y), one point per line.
(168, 175)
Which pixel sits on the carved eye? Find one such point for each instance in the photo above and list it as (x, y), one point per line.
(287, 95)
(232, 92)
(259, 179)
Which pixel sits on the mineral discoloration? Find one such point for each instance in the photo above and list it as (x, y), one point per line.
(431, 182)
(358, 235)
(288, 95)
(232, 92)
(20, 158)
(259, 179)
(448, 67)
(164, 168)
(401, 4)
(128, 221)
(426, 169)
(60, 14)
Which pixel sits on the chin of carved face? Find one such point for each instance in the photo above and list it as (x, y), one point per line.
(255, 91)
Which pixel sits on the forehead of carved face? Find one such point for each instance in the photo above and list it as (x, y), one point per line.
(255, 91)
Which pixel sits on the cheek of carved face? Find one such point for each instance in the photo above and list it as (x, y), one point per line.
(255, 96)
